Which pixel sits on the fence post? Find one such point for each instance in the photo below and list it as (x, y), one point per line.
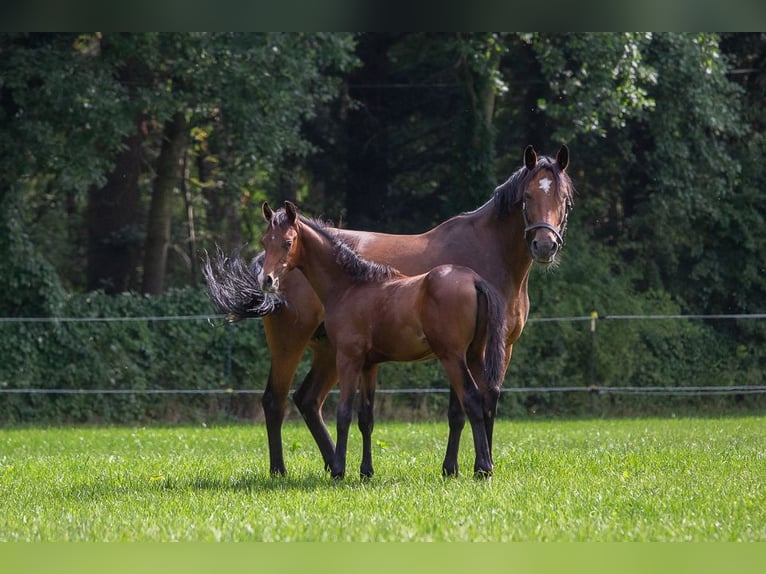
(593, 319)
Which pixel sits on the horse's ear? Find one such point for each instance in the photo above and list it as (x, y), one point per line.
(268, 213)
(562, 158)
(291, 211)
(530, 157)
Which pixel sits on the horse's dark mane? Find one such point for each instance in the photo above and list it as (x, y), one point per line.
(509, 194)
(353, 264)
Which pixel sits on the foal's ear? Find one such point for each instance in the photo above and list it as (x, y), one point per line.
(530, 157)
(291, 211)
(268, 213)
(562, 158)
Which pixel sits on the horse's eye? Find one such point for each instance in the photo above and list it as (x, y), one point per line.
(288, 243)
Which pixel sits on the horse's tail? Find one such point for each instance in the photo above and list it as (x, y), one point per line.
(233, 286)
(492, 318)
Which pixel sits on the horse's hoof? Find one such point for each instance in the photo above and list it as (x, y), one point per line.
(480, 474)
(449, 472)
(366, 473)
(338, 474)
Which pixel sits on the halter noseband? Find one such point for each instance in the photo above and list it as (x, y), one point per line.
(557, 233)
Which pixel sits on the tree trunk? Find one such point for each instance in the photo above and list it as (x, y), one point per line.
(161, 210)
(114, 232)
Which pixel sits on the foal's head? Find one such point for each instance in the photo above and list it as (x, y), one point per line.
(543, 191)
(281, 245)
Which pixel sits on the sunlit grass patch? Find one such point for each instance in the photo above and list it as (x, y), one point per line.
(683, 479)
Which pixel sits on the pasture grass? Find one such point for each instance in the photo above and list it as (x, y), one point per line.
(685, 479)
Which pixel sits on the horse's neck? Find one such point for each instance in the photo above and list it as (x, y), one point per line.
(509, 261)
(318, 263)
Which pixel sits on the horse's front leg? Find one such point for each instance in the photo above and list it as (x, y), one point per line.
(490, 400)
(311, 395)
(349, 369)
(366, 418)
(286, 350)
(465, 387)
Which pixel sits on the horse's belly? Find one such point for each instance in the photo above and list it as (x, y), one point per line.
(401, 344)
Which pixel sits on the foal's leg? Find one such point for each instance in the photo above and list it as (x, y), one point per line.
(366, 418)
(456, 418)
(349, 369)
(465, 386)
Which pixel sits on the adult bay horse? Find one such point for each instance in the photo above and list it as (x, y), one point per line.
(523, 222)
(375, 314)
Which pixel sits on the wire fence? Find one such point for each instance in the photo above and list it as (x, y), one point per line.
(594, 318)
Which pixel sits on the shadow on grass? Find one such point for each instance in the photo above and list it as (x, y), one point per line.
(108, 488)
(255, 482)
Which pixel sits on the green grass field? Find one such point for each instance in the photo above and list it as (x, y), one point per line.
(599, 480)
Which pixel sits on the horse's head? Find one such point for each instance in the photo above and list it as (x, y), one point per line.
(280, 243)
(545, 198)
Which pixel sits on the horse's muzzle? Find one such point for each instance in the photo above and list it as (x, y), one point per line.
(269, 284)
(543, 247)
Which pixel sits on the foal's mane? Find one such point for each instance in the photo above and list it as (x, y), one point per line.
(353, 264)
(509, 194)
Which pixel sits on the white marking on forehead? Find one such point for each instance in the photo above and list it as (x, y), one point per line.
(545, 184)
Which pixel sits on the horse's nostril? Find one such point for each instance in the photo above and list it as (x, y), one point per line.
(268, 281)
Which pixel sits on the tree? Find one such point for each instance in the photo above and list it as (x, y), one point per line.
(61, 123)
(114, 114)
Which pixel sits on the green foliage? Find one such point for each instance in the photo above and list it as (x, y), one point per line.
(598, 82)
(28, 283)
(61, 112)
(631, 480)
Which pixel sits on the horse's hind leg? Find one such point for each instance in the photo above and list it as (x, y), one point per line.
(456, 418)
(366, 418)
